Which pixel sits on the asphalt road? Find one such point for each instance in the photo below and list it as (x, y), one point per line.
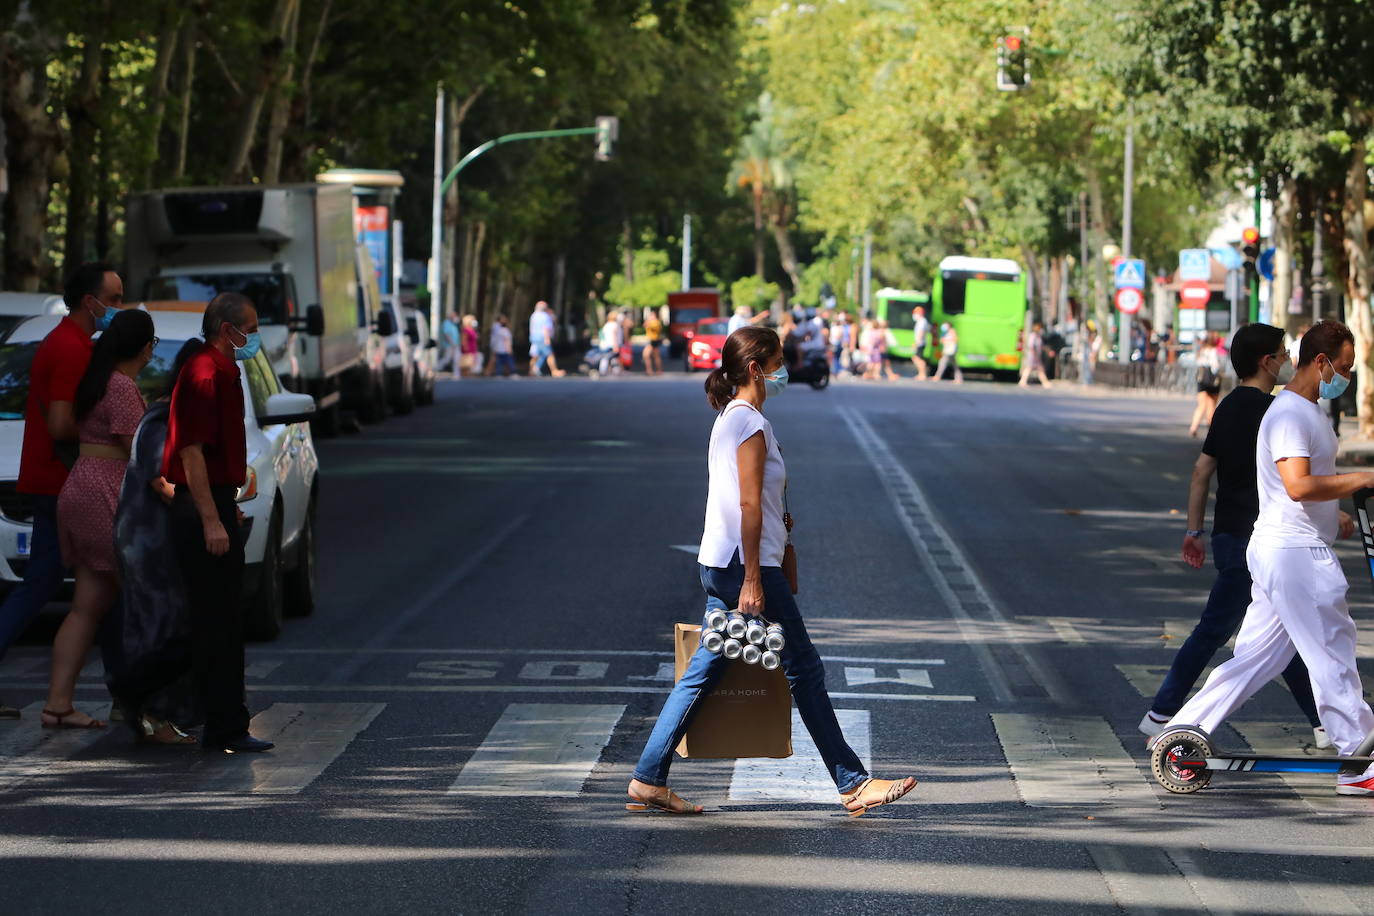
(991, 573)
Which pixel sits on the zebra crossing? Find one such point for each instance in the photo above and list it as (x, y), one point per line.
(556, 749)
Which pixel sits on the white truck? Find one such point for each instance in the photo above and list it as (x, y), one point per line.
(292, 250)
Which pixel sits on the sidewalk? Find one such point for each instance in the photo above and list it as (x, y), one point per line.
(1353, 450)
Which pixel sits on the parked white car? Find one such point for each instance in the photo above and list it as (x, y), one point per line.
(278, 500)
(14, 307)
(424, 351)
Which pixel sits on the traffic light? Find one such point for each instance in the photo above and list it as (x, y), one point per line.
(607, 133)
(1249, 239)
(1013, 65)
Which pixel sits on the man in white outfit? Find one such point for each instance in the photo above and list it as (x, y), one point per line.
(1297, 601)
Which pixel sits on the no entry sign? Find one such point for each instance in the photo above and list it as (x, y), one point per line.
(1195, 294)
(1129, 300)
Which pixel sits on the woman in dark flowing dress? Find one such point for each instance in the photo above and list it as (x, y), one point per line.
(155, 686)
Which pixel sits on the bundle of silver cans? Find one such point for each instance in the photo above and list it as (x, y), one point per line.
(753, 641)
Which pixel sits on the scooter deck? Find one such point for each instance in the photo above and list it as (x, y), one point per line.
(1262, 763)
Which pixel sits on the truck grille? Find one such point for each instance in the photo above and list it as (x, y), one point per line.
(15, 506)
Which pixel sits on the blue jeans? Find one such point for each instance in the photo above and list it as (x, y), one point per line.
(800, 661)
(1221, 619)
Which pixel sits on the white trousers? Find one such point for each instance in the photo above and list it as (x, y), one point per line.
(1297, 604)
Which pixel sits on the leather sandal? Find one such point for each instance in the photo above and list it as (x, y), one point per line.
(891, 789)
(673, 804)
(61, 720)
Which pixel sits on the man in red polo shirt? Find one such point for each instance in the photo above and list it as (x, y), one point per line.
(206, 457)
(93, 294)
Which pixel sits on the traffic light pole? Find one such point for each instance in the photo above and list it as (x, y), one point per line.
(1255, 280)
(511, 138)
(1128, 185)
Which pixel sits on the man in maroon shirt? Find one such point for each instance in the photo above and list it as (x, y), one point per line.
(93, 294)
(206, 458)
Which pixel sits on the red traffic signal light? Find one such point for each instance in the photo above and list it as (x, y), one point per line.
(1250, 235)
(1012, 42)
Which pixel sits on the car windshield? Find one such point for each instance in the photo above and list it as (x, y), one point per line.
(269, 292)
(714, 327)
(16, 359)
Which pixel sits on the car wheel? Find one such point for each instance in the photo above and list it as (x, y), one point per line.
(264, 618)
(327, 423)
(300, 584)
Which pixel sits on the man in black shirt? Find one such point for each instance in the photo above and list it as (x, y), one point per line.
(1261, 361)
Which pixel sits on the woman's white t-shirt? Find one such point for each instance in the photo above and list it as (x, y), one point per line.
(721, 537)
(1294, 427)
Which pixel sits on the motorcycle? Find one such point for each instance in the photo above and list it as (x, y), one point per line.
(814, 371)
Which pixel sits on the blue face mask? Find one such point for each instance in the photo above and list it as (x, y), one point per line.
(252, 344)
(102, 323)
(1334, 388)
(776, 384)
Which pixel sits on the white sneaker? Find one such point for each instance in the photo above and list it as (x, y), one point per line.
(1152, 724)
(1320, 739)
(1356, 784)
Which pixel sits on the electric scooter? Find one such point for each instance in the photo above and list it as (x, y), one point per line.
(1184, 758)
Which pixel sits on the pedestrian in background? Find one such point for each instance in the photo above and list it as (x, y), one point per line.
(740, 559)
(949, 352)
(502, 356)
(883, 341)
(154, 688)
(653, 342)
(920, 339)
(1087, 352)
(450, 344)
(93, 295)
(839, 340)
(541, 341)
(469, 347)
(108, 408)
(1298, 602)
(205, 459)
(1033, 357)
(1261, 362)
(1208, 363)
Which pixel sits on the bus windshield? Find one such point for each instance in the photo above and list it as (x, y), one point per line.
(955, 283)
(899, 313)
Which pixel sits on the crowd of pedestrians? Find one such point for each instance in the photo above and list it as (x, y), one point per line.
(140, 505)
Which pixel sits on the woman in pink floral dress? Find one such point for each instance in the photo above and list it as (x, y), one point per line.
(108, 407)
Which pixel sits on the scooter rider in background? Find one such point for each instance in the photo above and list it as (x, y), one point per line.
(1298, 600)
(1261, 362)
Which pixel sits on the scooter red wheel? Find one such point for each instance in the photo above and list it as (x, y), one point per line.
(1179, 760)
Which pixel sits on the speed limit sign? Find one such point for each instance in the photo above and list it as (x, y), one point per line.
(1129, 300)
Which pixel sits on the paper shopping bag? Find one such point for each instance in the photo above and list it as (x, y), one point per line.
(748, 712)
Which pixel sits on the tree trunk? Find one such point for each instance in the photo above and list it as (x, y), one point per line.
(457, 114)
(300, 108)
(189, 45)
(167, 45)
(282, 94)
(269, 73)
(787, 255)
(627, 251)
(1098, 238)
(83, 113)
(759, 254)
(1285, 221)
(1357, 314)
(33, 142)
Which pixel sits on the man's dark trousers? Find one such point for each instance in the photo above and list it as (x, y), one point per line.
(1225, 611)
(213, 588)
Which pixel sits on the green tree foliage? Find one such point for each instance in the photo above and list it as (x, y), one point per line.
(652, 282)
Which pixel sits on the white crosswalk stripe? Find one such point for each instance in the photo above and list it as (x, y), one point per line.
(801, 777)
(309, 737)
(1070, 761)
(539, 749)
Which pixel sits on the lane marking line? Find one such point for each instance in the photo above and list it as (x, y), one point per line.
(1070, 761)
(911, 677)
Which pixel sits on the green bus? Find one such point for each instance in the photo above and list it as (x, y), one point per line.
(894, 306)
(985, 300)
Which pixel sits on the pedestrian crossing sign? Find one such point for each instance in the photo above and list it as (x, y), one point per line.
(1130, 274)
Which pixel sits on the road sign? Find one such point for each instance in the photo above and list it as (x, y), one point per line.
(1194, 264)
(1129, 300)
(1266, 264)
(1195, 294)
(1130, 274)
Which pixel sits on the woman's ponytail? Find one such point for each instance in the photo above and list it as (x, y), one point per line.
(747, 345)
(718, 389)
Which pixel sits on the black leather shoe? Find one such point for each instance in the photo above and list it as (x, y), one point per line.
(244, 744)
